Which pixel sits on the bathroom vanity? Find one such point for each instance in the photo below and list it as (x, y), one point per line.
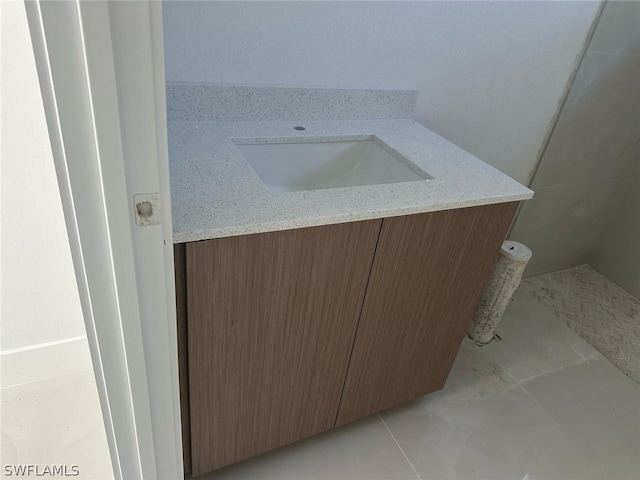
(304, 304)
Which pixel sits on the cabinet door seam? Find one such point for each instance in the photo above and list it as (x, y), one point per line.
(355, 335)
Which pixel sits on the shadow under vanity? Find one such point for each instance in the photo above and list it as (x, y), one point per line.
(302, 311)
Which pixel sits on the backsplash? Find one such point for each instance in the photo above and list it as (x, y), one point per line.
(234, 103)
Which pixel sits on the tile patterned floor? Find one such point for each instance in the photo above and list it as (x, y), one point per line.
(519, 408)
(55, 422)
(539, 404)
(602, 313)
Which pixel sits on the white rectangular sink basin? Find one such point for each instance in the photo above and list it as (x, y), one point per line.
(302, 165)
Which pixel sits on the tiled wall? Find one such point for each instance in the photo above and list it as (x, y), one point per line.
(593, 155)
(616, 254)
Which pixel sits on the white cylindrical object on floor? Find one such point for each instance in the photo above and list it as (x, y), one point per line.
(504, 280)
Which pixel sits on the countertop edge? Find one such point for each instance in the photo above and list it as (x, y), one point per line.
(307, 222)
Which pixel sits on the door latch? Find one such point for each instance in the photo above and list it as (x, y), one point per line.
(147, 209)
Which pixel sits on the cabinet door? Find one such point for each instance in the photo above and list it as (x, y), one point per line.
(271, 323)
(428, 274)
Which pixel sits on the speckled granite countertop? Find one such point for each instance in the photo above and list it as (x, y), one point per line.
(216, 193)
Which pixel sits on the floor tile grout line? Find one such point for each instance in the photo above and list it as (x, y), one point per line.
(399, 447)
(586, 359)
(505, 371)
(55, 377)
(539, 404)
(553, 370)
(555, 421)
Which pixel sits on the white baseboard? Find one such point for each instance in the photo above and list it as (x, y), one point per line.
(45, 360)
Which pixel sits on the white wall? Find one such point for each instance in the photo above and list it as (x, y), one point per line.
(490, 74)
(39, 297)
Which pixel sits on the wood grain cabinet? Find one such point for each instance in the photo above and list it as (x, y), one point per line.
(271, 321)
(287, 334)
(427, 277)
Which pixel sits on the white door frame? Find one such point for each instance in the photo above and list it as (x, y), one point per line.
(101, 71)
